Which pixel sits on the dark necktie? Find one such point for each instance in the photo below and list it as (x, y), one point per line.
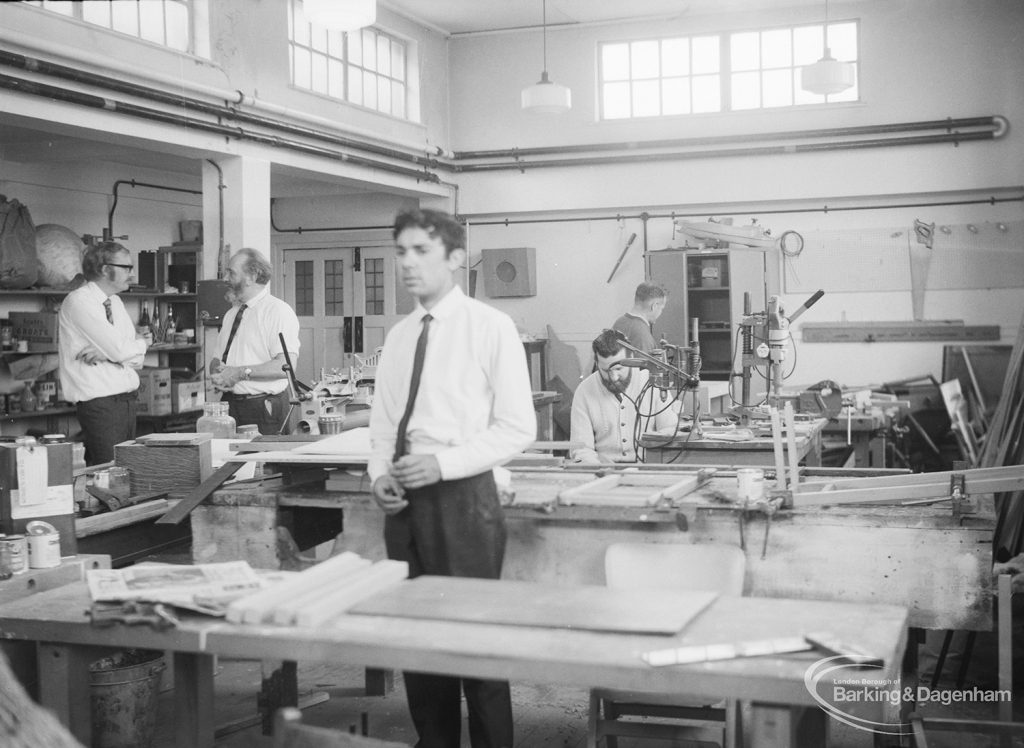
(109, 311)
(231, 335)
(414, 386)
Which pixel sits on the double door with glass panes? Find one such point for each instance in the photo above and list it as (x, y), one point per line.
(346, 299)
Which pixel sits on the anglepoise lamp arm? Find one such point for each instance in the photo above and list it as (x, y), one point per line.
(647, 361)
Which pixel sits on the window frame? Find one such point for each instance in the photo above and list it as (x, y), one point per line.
(330, 54)
(725, 74)
(192, 11)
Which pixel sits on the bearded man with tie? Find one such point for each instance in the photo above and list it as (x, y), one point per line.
(248, 370)
(99, 351)
(452, 400)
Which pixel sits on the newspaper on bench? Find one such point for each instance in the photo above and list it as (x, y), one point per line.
(206, 588)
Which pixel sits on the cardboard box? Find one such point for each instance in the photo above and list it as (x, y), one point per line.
(38, 328)
(154, 392)
(54, 502)
(187, 396)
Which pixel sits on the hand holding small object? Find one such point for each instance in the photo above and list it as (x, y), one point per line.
(416, 471)
(388, 494)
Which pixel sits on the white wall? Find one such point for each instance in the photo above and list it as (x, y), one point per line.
(920, 61)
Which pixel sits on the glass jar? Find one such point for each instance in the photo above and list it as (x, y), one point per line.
(6, 335)
(28, 398)
(216, 421)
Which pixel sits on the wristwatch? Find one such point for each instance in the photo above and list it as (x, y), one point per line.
(247, 372)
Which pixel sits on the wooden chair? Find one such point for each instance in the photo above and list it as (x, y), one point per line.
(698, 567)
(289, 732)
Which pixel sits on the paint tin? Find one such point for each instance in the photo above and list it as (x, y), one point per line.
(43, 545)
(17, 552)
(750, 484)
(5, 559)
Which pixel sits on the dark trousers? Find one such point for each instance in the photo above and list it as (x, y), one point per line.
(106, 421)
(266, 411)
(453, 528)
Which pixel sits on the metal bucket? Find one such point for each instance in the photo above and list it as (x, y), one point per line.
(125, 690)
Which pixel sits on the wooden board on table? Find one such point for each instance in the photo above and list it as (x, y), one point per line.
(173, 440)
(589, 607)
(631, 489)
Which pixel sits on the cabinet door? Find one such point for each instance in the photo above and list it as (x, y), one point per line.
(667, 268)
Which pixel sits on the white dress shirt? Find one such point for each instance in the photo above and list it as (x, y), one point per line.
(83, 323)
(604, 424)
(474, 408)
(256, 340)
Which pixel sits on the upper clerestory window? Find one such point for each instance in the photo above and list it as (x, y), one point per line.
(717, 73)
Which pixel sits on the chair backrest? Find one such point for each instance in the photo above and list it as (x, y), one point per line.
(289, 732)
(700, 566)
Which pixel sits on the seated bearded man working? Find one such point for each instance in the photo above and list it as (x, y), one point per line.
(604, 407)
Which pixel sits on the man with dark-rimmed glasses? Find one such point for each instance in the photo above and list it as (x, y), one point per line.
(100, 351)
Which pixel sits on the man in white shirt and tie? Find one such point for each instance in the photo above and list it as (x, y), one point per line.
(248, 367)
(452, 400)
(99, 351)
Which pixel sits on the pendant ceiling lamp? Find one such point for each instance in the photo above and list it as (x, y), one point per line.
(828, 75)
(546, 96)
(341, 15)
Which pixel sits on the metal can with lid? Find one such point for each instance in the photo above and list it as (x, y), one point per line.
(53, 439)
(5, 559)
(43, 545)
(17, 549)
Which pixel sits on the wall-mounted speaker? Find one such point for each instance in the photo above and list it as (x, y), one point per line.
(510, 271)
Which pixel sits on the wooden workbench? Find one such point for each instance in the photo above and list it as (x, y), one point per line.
(682, 449)
(53, 624)
(918, 556)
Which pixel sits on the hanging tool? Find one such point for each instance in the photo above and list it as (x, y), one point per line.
(632, 238)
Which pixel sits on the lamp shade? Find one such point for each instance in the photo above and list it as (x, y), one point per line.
(546, 97)
(827, 76)
(341, 15)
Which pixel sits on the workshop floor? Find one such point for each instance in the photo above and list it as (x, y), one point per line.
(545, 715)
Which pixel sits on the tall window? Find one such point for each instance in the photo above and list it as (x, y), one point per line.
(334, 288)
(366, 67)
(165, 22)
(714, 73)
(373, 272)
(304, 288)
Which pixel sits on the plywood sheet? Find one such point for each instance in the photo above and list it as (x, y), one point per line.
(512, 603)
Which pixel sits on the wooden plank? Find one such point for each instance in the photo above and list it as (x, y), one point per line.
(867, 491)
(780, 460)
(492, 601)
(184, 507)
(355, 588)
(631, 489)
(794, 456)
(106, 521)
(255, 607)
(181, 439)
(894, 332)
